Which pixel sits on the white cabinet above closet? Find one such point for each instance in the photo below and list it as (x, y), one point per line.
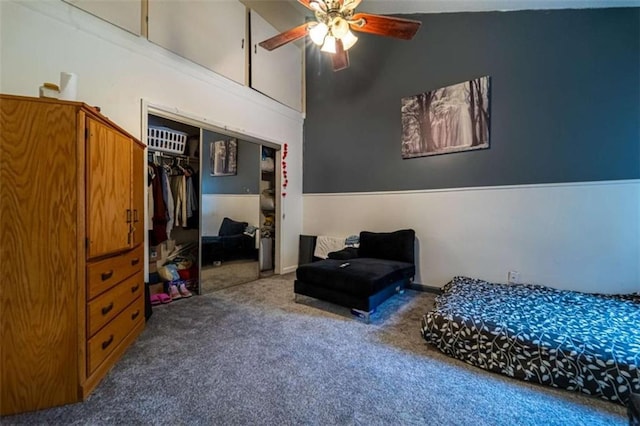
(125, 14)
(276, 73)
(209, 33)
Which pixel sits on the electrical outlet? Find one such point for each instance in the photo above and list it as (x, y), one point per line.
(513, 277)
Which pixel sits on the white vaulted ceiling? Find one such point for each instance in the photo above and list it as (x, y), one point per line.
(437, 6)
(285, 14)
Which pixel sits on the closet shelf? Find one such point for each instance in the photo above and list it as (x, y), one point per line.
(160, 154)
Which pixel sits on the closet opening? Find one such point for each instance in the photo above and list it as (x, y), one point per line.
(173, 212)
(232, 236)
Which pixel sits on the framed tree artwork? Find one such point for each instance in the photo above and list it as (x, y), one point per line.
(450, 119)
(224, 157)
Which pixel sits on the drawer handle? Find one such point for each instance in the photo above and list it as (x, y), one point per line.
(106, 309)
(135, 288)
(106, 275)
(106, 343)
(135, 261)
(135, 315)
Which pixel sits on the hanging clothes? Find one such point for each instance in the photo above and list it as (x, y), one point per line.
(178, 189)
(191, 198)
(194, 219)
(159, 218)
(151, 174)
(165, 170)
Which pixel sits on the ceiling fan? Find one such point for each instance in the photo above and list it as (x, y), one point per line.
(332, 28)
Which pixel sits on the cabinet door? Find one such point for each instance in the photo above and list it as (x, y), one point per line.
(108, 196)
(276, 73)
(209, 33)
(138, 179)
(125, 14)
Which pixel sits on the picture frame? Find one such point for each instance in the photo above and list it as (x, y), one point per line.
(450, 119)
(224, 157)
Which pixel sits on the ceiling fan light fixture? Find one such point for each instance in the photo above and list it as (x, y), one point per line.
(340, 27)
(318, 33)
(348, 40)
(329, 45)
(334, 21)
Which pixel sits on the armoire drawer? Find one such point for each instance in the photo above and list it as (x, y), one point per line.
(107, 339)
(109, 304)
(104, 274)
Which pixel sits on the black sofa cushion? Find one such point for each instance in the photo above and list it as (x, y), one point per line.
(363, 276)
(344, 254)
(231, 243)
(398, 245)
(231, 227)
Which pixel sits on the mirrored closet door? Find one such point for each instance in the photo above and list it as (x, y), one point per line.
(230, 211)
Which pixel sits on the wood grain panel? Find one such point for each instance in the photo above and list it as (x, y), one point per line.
(81, 331)
(38, 323)
(108, 190)
(103, 309)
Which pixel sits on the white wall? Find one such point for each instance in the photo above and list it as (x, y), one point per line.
(583, 236)
(117, 69)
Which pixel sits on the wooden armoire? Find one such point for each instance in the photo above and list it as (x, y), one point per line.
(72, 256)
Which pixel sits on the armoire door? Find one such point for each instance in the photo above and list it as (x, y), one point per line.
(109, 212)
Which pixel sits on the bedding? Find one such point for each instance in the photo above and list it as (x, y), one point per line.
(583, 342)
(326, 245)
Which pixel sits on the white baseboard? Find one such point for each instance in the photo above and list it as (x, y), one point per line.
(289, 269)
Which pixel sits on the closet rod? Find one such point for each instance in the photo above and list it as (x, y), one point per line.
(162, 154)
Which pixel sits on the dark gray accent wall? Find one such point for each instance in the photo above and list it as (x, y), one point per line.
(247, 181)
(565, 101)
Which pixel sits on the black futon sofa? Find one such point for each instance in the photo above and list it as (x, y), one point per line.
(362, 278)
(230, 244)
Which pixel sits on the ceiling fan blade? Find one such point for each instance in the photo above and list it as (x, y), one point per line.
(385, 25)
(288, 36)
(340, 59)
(305, 3)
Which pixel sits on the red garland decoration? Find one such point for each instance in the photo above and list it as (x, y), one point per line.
(285, 180)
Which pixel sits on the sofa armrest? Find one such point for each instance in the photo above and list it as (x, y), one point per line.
(398, 245)
(306, 249)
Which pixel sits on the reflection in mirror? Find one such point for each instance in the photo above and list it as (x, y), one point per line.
(230, 215)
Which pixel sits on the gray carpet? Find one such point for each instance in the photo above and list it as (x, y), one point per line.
(249, 355)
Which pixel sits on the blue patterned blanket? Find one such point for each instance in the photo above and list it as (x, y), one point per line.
(583, 342)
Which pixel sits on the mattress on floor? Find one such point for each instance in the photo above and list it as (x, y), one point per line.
(583, 342)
